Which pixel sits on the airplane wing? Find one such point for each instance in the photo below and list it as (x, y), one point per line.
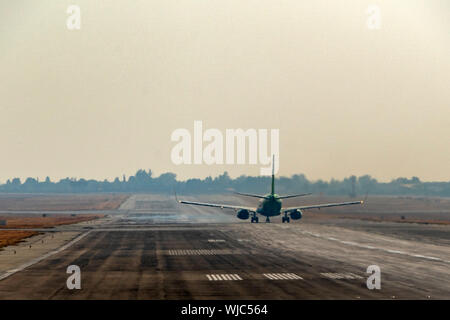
(215, 205)
(318, 206)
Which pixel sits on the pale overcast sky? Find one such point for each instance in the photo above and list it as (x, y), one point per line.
(103, 101)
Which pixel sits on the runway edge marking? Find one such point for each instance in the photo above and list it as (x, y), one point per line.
(45, 256)
(354, 244)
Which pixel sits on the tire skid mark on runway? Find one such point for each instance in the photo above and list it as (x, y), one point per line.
(355, 244)
(45, 256)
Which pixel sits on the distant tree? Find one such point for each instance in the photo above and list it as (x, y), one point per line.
(367, 184)
(166, 180)
(143, 181)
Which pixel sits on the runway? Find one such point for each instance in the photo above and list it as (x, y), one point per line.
(156, 249)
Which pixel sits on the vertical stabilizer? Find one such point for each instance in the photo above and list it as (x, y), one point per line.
(273, 175)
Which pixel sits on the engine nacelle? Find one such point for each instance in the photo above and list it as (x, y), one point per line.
(243, 214)
(296, 215)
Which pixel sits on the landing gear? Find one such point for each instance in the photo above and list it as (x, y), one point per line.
(267, 220)
(255, 219)
(285, 219)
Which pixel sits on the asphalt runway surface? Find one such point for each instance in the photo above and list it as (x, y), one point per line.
(154, 248)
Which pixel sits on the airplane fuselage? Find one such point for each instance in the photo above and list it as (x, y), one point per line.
(269, 206)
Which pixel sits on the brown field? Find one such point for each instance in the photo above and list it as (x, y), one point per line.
(10, 237)
(45, 222)
(75, 202)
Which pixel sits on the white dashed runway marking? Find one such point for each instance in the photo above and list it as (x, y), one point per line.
(340, 276)
(216, 240)
(282, 276)
(223, 277)
(201, 252)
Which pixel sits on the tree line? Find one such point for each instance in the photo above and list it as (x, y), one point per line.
(143, 181)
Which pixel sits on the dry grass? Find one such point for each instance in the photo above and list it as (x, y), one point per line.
(10, 237)
(45, 222)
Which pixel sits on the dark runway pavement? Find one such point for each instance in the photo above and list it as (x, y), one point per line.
(156, 249)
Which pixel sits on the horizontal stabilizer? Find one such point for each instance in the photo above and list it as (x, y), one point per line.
(294, 195)
(251, 195)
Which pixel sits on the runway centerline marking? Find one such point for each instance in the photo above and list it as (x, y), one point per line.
(201, 252)
(340, 276)
(282, 276)
(223, 277)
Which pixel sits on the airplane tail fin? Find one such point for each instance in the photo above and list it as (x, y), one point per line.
(273, 175)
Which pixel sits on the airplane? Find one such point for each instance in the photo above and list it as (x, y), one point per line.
(270, 205)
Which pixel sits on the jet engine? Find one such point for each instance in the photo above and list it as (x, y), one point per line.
(243, 214)
(296, 215)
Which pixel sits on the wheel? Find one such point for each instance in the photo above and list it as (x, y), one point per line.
(288, 219)
(253, 220)
(256, 219)
(283, 219)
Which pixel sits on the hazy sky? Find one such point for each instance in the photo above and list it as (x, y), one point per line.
(103, 101)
